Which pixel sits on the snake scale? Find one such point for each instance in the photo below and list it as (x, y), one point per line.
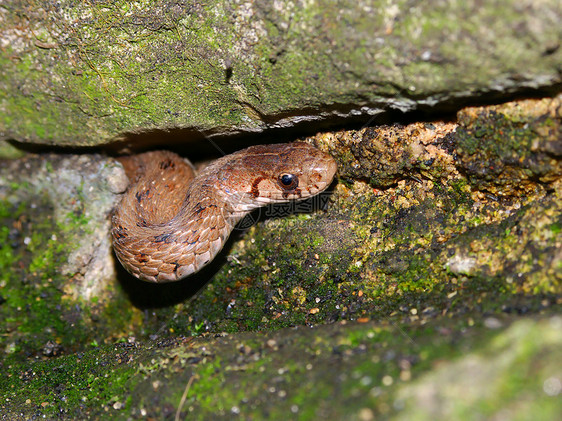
(170, 222)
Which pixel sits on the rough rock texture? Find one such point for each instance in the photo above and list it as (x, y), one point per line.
(427, 285)
(56, 271)
(435, 265)
(85, 73)
(444, 369)
(76, 193)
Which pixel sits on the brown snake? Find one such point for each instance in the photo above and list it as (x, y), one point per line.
(170, 223)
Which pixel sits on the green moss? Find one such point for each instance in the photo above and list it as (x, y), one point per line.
(65, 385)
(504, 149)
(35, 249)
(142, 66)
(32, 255)
(503, 375)
(268, 374)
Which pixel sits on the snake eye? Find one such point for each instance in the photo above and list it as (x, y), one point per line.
(288, 181)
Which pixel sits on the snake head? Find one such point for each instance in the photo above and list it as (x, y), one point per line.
(276, 173)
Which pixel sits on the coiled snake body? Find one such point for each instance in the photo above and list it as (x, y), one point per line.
(170, 223)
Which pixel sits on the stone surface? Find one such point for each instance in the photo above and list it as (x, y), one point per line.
(88, 73)
(76, 193)
(443, 369)
(422, 267)
(426, 285)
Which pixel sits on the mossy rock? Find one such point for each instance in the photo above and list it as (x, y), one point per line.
(413, 259)
(88, 73)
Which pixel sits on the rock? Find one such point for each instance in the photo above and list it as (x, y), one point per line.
(76, 73)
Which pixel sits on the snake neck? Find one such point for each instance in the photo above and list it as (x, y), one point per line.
(218, 197)
(206, 217)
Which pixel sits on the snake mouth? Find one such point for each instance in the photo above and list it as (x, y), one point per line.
(279, 196)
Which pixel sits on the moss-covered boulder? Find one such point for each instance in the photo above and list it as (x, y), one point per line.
(436, 257)
(427, 284)
(87, 73)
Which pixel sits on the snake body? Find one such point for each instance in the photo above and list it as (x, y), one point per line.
(170, 223)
